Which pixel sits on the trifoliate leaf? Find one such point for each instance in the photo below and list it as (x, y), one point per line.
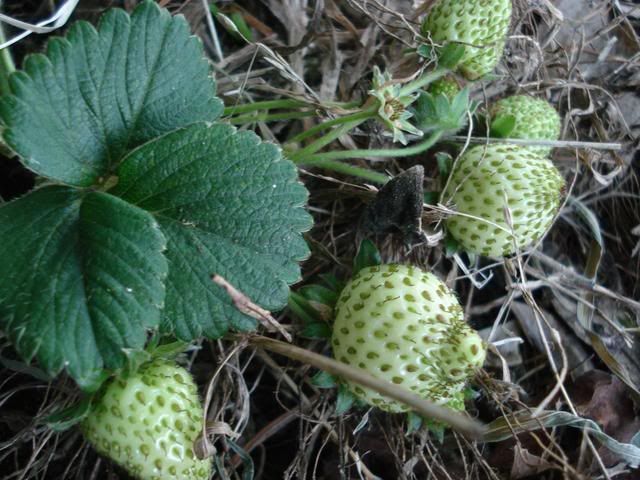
(83, 279)
(229, 205)
(95, 94)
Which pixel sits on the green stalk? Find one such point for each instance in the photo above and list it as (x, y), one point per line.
(266, 105)
(7, 67)
(330, 123)
(354, 171)
(269, 117)
(325, 140)
(320, 158)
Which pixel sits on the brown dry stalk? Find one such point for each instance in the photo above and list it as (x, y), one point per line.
(467, 426)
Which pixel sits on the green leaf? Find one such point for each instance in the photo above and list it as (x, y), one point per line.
(76, 111)
(83, 279)
(502, 126)
(229, 205)
(367, 256)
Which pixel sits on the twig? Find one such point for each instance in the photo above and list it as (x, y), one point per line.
(465, 425)
(246, 306)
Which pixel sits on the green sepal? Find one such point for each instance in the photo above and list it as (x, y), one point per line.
(323, 379)
(316, 330)
(445, 163)
(414, 422)
(344, 400)
(502, 126)
(318, 294)
(66, 418)
(438, 113)
(450, 55)
(368, 256)
(451, 246)
(431, 198)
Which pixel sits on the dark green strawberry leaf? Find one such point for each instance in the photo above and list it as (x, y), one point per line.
(76, 111)
(228, 205)
(367, 256)
(83, 279)
(502, 126)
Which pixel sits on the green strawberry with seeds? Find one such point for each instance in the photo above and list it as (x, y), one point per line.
(148, 421)
(480, 25)
(404, 325)
(535, 119)
(486, 180)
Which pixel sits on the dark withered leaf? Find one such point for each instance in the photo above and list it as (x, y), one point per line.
(397, 208)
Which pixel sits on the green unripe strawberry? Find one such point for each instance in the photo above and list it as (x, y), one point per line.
(535, 119)
(148, 422)
(404, 325)
(481, 25)
(486, 180)
(446, 86)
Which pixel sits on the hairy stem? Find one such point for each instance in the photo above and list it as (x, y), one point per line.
(321, 158)
(269, 117)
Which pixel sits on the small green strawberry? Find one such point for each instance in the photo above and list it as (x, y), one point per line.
(480, 25)
(148, 421)
(485, 180)
(404, 325)
(535, 119)
(447, 86)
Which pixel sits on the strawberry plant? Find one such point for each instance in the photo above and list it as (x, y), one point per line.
(480, 25)
(144, 196)
(533, 119)
(404, 325)
(505, 198)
